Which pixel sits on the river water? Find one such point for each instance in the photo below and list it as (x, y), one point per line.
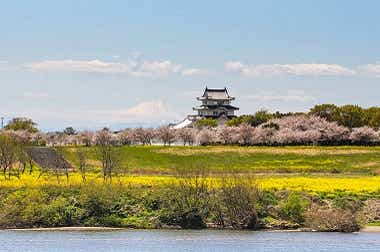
(179, 240)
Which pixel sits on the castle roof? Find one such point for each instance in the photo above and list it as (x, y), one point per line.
(227, 107)
(216, 94)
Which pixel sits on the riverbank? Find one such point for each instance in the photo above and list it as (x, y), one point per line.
(190, 203)
(366, 229)
(70, 229)
(370, 229)
(193, 188)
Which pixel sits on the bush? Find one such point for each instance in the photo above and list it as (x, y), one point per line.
(111, 221)
(23, 208)
(293, 208)
(36, 208)
(188, 203)
(61, 212)
(346, 202)
(98, 200)
(236, 202)
(331, 220)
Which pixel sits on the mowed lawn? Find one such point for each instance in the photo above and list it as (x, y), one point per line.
(160, 160)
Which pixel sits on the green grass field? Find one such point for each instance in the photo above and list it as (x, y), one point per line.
(159, 160)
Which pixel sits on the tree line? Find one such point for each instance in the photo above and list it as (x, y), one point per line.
(325, 124)
(350, 116)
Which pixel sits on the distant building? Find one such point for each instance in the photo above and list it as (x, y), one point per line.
(216, 104)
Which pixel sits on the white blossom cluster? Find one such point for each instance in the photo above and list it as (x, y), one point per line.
(290, 130)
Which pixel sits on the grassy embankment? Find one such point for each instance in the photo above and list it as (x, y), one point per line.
(346, 176)
(154, 160)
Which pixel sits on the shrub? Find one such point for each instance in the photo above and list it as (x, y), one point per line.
(96, 200)
(331, 220)
(346, 202)
(293, 208)
(370, 213)
(23, 208)
(237, 197)
(111, 221)
(187, 203)
(61, 212)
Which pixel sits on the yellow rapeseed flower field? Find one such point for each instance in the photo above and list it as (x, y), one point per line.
(357, 184)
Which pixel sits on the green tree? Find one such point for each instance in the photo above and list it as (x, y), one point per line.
(8, 154)
(260, 117)
(330, 112)
(373, 115)
(206, 123)
(22, 123)
(236, 121)
(69, 131)
(352, 116)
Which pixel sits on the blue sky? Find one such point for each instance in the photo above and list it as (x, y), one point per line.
(95, 63)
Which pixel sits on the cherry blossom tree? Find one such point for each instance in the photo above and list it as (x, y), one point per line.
(364, 135)
(166, 135)
(245, 133)
(206, 136)
(186, 135)
(228, 135)
(144, 136)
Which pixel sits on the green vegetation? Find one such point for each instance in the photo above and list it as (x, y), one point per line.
(20, 123)
(159, 160)
(260, 117)
(69, 131)
(207, 122)
(198, 187)
(350, 116)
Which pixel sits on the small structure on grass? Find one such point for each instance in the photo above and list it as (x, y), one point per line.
(49, 159)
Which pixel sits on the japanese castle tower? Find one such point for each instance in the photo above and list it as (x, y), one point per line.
(216, 103)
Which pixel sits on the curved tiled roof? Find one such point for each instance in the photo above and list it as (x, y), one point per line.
(216, 94)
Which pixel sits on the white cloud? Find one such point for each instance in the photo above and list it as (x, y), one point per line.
(36, 95)
(154, 112)
(132, 68)
(370, 69)
(288, 69)
(288, 96)
(135, 68)
(148, 111)
(194, 72)
(234, 66)
(6, 66)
